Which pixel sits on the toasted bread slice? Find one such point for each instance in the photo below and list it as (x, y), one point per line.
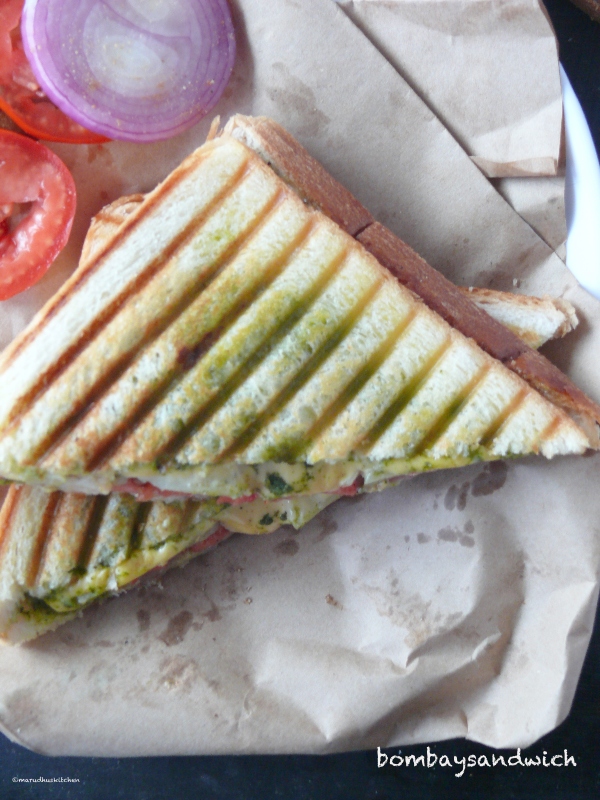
(216, 344)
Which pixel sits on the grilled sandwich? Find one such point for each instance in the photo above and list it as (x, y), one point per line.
(59, 552)
(236, 338)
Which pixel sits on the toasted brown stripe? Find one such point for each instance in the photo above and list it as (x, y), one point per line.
(91, 533)
(450, 415)
(402, 399)
(549, 430)
(501, 420)
(189, 358)
(251, 365)
(96, 391)
(9, 507)
(54, 501)
(307, 176)
(83, 271)
(357, 383)
(299, 380)
(137, 529)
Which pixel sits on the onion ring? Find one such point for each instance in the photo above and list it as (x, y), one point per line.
(137, 70)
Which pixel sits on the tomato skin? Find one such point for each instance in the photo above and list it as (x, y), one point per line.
(20, 96)
(30, 173)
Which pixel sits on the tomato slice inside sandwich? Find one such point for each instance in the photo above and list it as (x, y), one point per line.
(37, 206)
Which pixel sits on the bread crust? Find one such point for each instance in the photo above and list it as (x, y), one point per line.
(301, 171)
(291, 161)
(546, 317)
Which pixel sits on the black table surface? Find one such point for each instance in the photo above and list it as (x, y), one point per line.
(357, 775)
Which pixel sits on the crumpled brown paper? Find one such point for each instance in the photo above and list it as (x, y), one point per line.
(457, 603)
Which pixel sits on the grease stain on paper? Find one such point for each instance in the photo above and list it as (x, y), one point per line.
(296, 99)
(95, 151)
(330, 600)
(178, 673)
(143, 618)
(213, 614)
(490, 479)
(177, 628)
(287, 548)
(456, 497)
(454, 534)
(328, 526)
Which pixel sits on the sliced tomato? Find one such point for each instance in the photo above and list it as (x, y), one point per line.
(145, 492)
(20, 95)
(215, 538)
(37, 206)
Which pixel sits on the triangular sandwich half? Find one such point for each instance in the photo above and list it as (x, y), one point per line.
(233, 341)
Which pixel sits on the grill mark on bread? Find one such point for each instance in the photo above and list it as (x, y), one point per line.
(305, 373)
(458, 310)
(439, 293)
(127, 427)
(161, 324)
(135, 286)
(43, 536)
(65, 540)
(549, 430)
(47, 529)
(92, 530)
(369, 440)
(7, 511)
(503, 417)
(187, 516)
(137, 529)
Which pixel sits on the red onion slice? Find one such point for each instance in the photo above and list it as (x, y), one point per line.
(138, 70)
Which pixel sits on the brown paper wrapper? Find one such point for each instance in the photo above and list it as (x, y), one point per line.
(459, 603)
